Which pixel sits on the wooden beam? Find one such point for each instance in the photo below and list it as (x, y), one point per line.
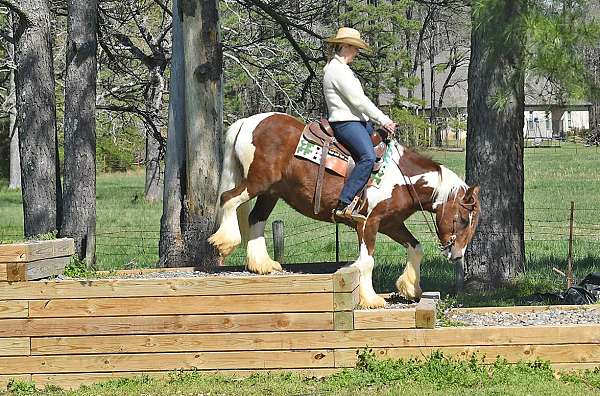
(343, 320)
(568, 353)
(168, 361)
(166, 324)
(384, 319)
(184, 305)
(19, 346)
(14, 309)
(346, 301)
(425, 314)
(74, 381)
(345, 279)
(36, 250)
(198, 286)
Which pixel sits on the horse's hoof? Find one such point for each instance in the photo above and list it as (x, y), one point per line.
(263, 267)
(408, 289)
(372, 302)
(223, 245)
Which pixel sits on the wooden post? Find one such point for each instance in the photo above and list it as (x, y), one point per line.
(90, 246)
(570, 257)
(337, 243)
(278, 241)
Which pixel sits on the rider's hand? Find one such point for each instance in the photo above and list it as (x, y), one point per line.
(390, 127)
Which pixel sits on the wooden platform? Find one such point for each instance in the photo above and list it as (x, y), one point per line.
(69, 333)
(32, 260)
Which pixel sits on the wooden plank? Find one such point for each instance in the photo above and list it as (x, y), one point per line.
(524, 309)
(343, 320)
(14, 272)
(198, 286)
(312, 340)
(6, 379)
(18, 346)
(574, 366)
(167, 361)
(568, 353)
(346, 279)
(36, 250)
(48, 267)
(425, 314)
(166, 324)
(346, 301)
(14, 309)
(185, 305)
(384, 319)
(74, 381)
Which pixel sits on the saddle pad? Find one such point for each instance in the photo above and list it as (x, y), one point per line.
(337, 162)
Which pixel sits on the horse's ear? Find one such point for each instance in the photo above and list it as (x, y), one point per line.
(471, 194)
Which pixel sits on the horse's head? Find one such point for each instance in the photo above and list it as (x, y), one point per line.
(456, 220)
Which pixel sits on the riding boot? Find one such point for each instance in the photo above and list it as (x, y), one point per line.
(348, 211)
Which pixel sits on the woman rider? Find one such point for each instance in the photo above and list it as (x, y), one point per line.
(350, 115)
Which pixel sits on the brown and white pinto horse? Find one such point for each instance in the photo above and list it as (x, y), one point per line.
(259, 162)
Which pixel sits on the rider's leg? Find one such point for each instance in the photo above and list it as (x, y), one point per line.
(356, 136)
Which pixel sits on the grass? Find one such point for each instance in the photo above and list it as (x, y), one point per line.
(128, 227)
(436, 375)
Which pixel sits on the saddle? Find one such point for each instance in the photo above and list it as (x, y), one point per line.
(335, 155)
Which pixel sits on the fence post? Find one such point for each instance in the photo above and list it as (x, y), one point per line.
(90, 246)
(337, 243)
(570, 257)
(278, 241)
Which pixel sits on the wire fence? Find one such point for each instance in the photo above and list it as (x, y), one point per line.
(136, 244)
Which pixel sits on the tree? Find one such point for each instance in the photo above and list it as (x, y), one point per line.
(194, 140)
(11, 106)
(79, 201)
(495, 141)
(36, 120)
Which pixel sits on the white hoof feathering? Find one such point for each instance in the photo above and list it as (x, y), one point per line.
(368, 297)
(408, 283)
(257, 257)
(228, 236)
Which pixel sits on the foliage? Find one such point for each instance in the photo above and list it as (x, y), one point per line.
(77, 269)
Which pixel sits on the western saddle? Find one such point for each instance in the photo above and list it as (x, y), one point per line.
(321, 134)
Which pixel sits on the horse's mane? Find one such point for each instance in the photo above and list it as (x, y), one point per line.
(449, 182)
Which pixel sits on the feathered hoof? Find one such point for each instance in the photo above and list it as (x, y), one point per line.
(408, 289)
(371, 302)
(263, 266)
(223, 244)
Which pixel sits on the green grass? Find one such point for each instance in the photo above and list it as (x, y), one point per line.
(128, 227)
(435, 375)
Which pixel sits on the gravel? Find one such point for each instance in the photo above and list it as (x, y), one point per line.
(179, 274)
(540, 318)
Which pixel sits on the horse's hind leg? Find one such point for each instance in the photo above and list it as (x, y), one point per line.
(257, 257)
(228, 236)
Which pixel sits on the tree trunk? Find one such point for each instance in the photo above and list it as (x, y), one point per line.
(593, 137)
(36, 109)
(495, 144)
(204, 120)
(15, 160)
(194, 141)
(79, 208)
(154, 172)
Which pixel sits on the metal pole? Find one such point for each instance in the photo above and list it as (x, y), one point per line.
(570, 258)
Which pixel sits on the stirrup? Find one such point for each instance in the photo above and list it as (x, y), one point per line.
(350, 212)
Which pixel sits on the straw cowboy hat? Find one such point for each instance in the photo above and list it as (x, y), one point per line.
(346, 35)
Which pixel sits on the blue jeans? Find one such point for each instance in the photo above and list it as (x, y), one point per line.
(356, 136)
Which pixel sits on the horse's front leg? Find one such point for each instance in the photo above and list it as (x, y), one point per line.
(408, 284)
(365, 263)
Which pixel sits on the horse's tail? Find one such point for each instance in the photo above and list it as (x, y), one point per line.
(231, 176)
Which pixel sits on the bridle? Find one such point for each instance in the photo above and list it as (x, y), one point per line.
(468, 206)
